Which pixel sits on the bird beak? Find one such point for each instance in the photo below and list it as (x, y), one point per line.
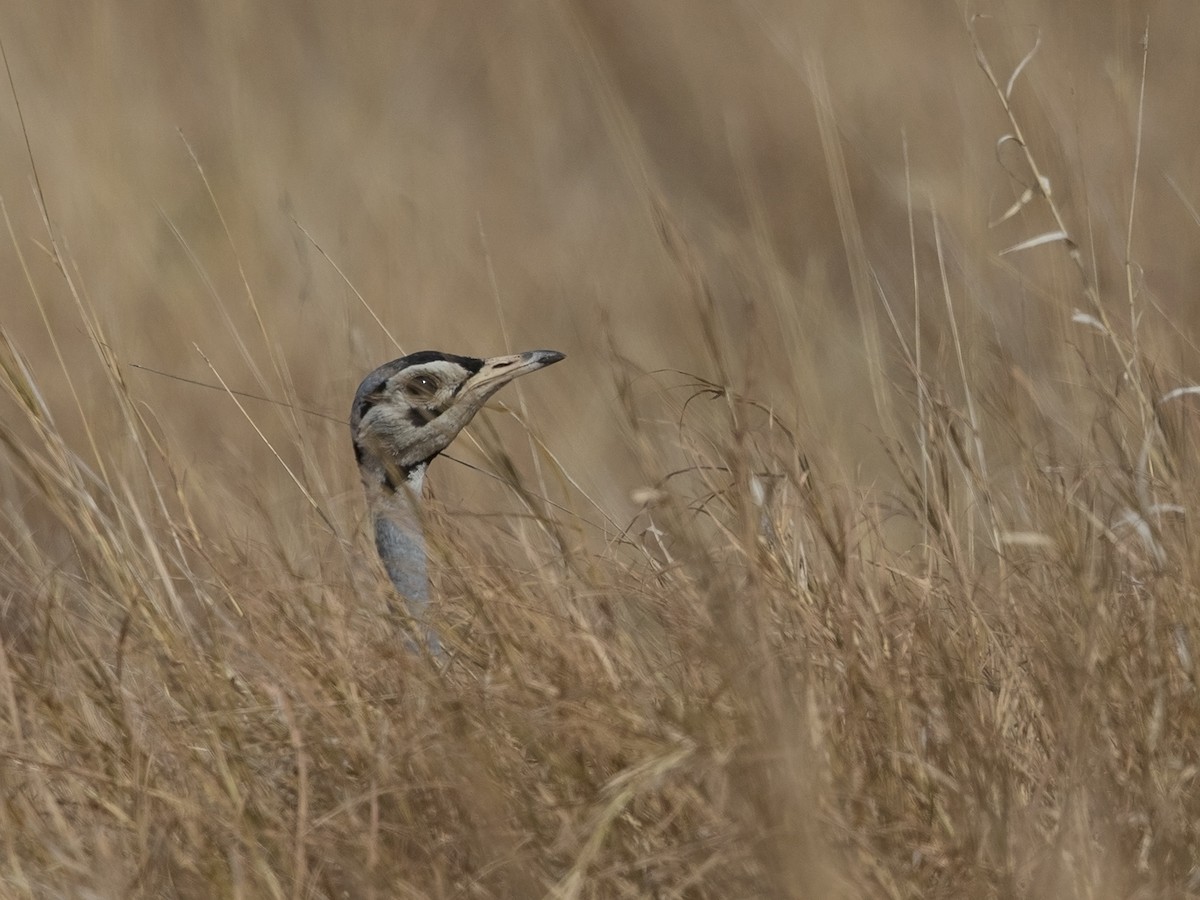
(500, 370)
(476, 390)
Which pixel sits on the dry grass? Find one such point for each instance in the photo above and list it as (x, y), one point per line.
(847, 555)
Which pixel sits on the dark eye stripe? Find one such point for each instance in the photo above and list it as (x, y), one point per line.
(470, 363)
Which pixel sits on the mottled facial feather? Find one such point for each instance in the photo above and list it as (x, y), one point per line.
(395, 406)
(370, 390)
(409, 410)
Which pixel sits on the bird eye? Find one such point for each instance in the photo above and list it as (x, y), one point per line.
(423, 385)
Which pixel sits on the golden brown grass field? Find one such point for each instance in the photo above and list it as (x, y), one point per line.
(850, 553)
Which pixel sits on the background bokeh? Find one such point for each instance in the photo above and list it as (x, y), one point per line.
(492, 178)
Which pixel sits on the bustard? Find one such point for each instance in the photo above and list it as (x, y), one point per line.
(405, 413)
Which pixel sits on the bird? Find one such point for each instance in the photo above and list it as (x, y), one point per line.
(405, 413)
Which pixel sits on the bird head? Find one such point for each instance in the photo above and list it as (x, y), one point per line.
(408, 411)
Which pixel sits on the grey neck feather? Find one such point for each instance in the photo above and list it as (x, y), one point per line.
(400, 540)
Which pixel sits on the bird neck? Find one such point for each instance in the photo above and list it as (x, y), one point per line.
(400, 541)
(394, 500)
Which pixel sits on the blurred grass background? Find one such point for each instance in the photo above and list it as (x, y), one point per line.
(419, 147)
(757, 194)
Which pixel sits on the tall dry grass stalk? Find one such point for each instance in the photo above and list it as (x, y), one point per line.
(778, 623)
